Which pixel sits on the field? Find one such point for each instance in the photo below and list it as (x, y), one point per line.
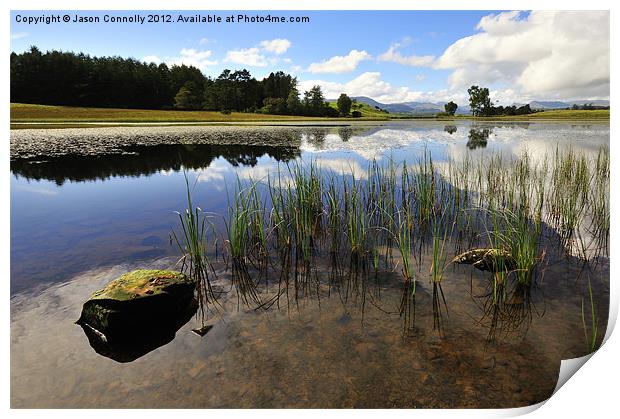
(44, 113)
(559, 114)
(22, 115)
(568, 114)
(366, 110)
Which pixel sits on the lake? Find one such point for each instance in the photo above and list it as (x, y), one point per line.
(345, 336)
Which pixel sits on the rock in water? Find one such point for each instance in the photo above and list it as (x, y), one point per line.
(489, 259)
(139, 302)
(201, 331)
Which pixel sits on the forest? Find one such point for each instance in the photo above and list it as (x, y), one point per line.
(78, 79)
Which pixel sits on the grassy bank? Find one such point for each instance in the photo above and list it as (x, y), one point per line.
(558, 114)
(72, 117)
(43, 113)
(366, 110)
(568, 114)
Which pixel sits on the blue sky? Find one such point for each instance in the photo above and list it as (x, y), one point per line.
(390, 56)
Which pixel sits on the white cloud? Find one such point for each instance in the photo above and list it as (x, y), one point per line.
(277, 46)
(216, 172)
(366, 84)
(151, 59)
(339, 63)
(370, 84)
(255, 56)
(204, 41)
(246, 56)
(18, 35)
(190, 56)
(420, 77)
(393, 55)
(37, 190)
(546, 54)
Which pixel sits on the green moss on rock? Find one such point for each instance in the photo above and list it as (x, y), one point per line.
(487, 259)
(141, 283)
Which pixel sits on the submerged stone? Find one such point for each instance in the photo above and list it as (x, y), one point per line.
(134, 346)
(138, 302)
(201, 331)
(487, 259)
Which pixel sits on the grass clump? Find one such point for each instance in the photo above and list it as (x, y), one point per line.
(193, 246)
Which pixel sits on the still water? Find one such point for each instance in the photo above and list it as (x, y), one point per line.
(78, 222)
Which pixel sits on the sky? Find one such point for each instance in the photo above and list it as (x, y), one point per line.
(390, 56)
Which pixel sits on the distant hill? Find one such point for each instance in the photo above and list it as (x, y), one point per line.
(548, 105)
(430, 108)
(539, 104)
(367, 110)
(416, 108)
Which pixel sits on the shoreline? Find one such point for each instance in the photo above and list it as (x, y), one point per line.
(24, 116)
(22, 125)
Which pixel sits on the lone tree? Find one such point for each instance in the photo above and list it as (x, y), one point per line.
(450, 108)
(479, 100)
(344, 104)
(313, 99)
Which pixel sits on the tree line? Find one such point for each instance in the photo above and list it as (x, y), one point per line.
(77, 79)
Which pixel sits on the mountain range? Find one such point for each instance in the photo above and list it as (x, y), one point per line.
(435, 107)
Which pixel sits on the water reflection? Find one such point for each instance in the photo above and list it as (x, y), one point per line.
(478, 138)
(146, 160)
(316, 137)
(457, 338)
(450, 129)
(345, 133)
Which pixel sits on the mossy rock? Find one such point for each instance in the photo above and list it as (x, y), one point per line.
(138, 302)
(487, 259)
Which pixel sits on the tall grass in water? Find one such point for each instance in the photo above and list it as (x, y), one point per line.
(334, 216)
(404, 242)
(239, 239)
(438, 264)
(569, 188)
(279, 215)
(515, 233)
(384, 212)
(424, 181)
(592, 336)
(441, 235)
(258, 224)
(305, 203)
(356, 218)
(193, 246)
(523, 240)
(600, 200)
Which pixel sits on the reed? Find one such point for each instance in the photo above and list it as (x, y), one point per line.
(404, 242)
(279, 215)
(239, 238)
(192, 243)
(356, 218)
(592, 334)
(308, 211)
(424, 182)
(439, 255)
(515, 233)
(334, 215)
(599, 208)
(306, 206)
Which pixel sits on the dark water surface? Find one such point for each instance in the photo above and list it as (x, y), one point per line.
(79, 222)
